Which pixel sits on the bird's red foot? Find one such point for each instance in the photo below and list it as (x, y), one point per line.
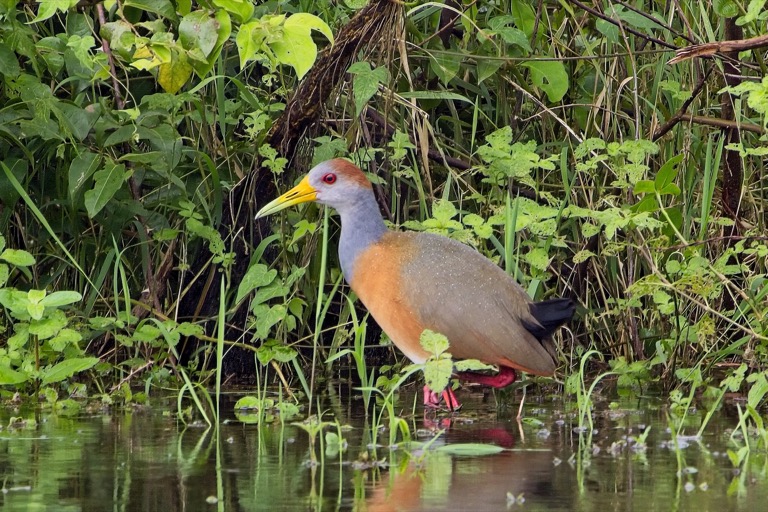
(435, 400)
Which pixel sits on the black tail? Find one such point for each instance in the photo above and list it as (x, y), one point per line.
(550, 315)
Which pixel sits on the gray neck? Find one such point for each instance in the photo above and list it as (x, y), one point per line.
(361, 225)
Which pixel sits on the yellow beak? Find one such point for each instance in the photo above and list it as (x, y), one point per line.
(301, 193)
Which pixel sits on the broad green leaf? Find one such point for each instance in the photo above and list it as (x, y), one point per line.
(366, 82)
(468, 365)
(119, 34)
(248, 40)
(754, 10)
(199, 30)
(265, 293)
(18, 257)
(48, 326)
(65, 338)
(275, 350)
(445, 65)
(668, 172)
(16, 301)
(146, 333)
(240, 9)
(433, 342)
(80, 170)
(644, 187)
(49, 7)
(63, 298)
(437, 373)
(524, 15)
(486, 68)
(726, 8)
(35, 296)
(9, 377)
(223, 31)
(164, 8)
(9, 64)
(296, 47)
(265, 317)
(538, 258)
(550, 77)
(469, 449)
(190, 329)
(258, 275)
(174, 74)
(5, 273)
(108, 182)
(36, 311)
(248, 402)
(67, 368)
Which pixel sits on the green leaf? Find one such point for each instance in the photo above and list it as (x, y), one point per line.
(190, 329)
(258, 275)
(49, 7)
(469, 449)
(35, 310)
(437, 373)
(80, 170)
(63, 298)
(467, 365)
(644, 187)
(275, 350)
(538, 258)
(9, 64)
(174, 74)
(18, 257)
(266, 317)
(445, 65)
(65, 338)
(296, 47)
(486, 68)
(667, 173)
(66, 369)
(16, 301)
(366, 82)
(433, 342)
(108, 182)
(248, 402)
(549, 76)
(9, 377)
(240, 9)
(48, 326)
(146, 333)
(726, 8)
(199, 30)
(524, 16)
(164, 8)
(249, 40)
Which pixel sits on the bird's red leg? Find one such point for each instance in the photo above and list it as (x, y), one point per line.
(504, 378)
(434, 400)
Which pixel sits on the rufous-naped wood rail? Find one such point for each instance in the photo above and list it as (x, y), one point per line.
(412, 281)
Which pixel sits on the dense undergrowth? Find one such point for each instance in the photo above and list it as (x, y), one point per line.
(556, 140)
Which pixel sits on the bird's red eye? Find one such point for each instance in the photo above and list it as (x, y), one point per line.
(329, 178)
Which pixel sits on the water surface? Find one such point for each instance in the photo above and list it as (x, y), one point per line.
(146, 459)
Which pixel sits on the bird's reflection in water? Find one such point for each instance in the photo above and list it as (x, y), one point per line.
(437, 480)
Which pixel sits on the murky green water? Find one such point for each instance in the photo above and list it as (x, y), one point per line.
(146, 460)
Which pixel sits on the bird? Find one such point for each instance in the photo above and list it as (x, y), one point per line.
(412, 281)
